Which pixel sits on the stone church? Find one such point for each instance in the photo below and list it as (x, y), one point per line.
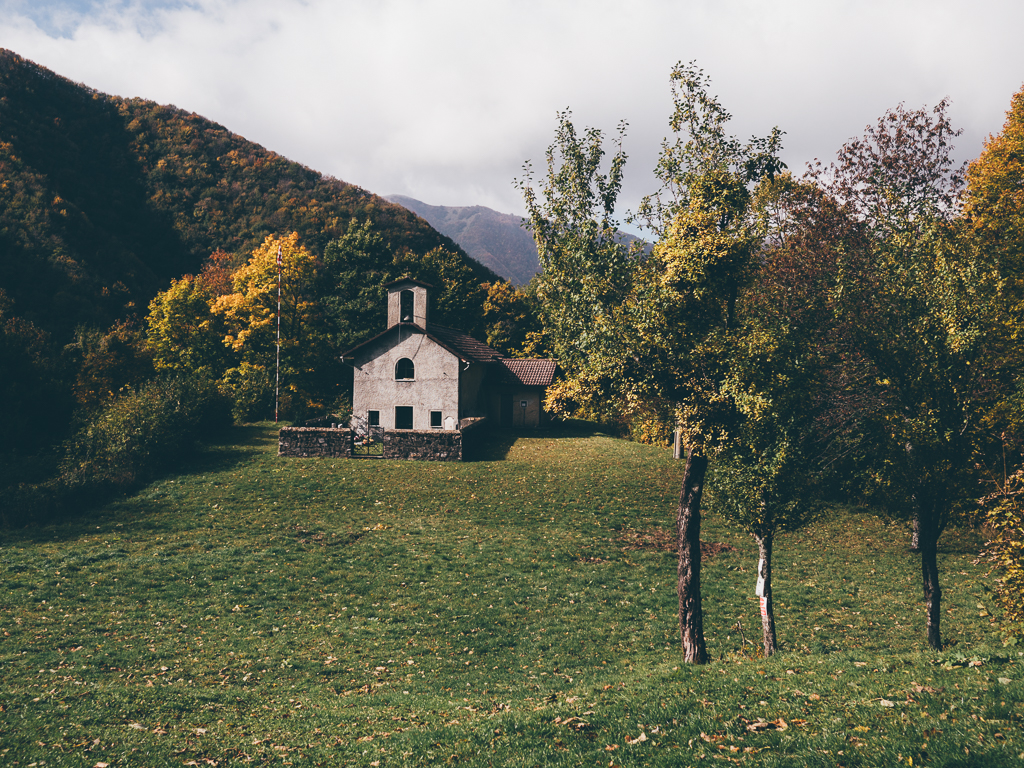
(417, 375)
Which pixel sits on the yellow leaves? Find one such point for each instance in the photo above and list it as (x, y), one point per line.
(994, 198)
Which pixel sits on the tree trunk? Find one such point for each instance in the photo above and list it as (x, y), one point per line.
(691, 616)
(929, 542)
(915, 536)
(764, 582)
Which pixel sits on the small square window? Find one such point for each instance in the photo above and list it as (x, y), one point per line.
(403, 417)
(373, 418)
(435, 420)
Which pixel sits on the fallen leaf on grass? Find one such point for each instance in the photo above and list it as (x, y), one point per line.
(1005, 680)
(611, 747)
(814, 697)
(638, 739)
(766, 725)
(887, 703)
(137, 726)
(576, 723)
(861, 729)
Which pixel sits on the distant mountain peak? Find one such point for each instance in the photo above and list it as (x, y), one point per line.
(499, 241)
(496, 240)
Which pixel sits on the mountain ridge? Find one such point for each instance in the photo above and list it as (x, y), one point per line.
(497, 240)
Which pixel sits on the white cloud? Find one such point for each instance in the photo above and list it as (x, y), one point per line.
(443, 100)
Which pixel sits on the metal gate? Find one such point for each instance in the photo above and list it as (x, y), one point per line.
(368, 443)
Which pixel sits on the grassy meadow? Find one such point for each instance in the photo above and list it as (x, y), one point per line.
(512, 611)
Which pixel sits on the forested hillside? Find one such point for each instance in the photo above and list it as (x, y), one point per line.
(103, 200)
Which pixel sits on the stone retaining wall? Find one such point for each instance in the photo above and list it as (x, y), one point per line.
(315, 441)
(415, 445)
(423, 445)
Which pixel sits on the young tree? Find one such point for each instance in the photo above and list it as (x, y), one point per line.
(778, 346)
(638, 328)
(704, 260)
(921, 303)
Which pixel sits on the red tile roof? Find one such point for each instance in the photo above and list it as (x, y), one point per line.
(531, 373)
(463, 344)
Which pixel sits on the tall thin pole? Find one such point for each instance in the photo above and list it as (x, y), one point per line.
(277, 382)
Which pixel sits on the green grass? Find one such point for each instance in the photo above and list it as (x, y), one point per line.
(256, 610)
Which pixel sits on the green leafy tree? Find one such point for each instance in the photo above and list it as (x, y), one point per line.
(702, 263)
(352, 287)
(763, 466)
(647, 329)
(921, 302)
(586, 271)
(512, 320)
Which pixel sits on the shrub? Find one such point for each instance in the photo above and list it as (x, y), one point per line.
(127, 441)
(251, 389)
(141, 430)
(1004, 517)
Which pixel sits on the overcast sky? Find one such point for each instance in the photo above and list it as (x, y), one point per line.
(443, 100)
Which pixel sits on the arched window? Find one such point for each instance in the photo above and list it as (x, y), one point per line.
(405, 303)
(404, 369)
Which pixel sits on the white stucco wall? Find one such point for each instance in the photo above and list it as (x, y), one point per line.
(435, 387)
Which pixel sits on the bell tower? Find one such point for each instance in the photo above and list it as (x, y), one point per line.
(408, 302)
